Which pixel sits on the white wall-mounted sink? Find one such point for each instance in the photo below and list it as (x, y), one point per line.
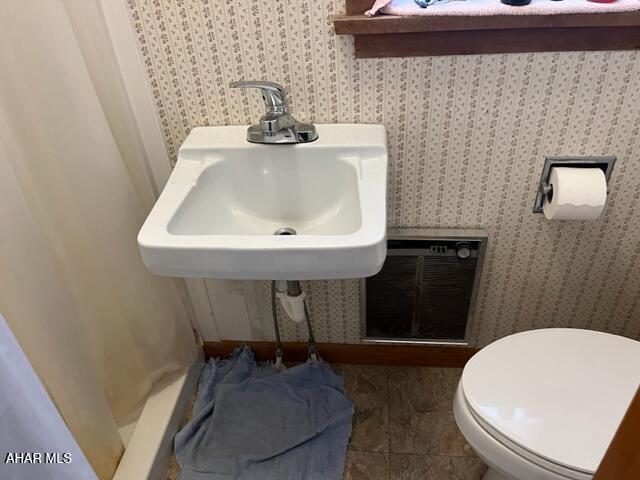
(227, 197)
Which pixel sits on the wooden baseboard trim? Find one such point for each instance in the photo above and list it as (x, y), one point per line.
(412, 355)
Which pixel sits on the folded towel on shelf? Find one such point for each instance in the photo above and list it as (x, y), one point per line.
(257, 423)
(495, 7)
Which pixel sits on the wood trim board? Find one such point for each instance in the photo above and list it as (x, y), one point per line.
(622, 459)
(521, 40)
(373, 354)
(358, 7)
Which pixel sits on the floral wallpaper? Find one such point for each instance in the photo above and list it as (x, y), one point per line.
(467, 139)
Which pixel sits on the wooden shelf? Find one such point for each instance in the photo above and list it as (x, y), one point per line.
(362, 25)
(391, 36)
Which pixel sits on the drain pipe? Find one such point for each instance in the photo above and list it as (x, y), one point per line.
(293, 303)
(292, 299)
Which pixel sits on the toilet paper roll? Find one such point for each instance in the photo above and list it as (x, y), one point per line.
(577, 194)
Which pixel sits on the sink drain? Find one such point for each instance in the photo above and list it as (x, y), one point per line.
(285, 231)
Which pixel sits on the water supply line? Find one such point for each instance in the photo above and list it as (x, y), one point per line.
(274, 312)
(313, 352)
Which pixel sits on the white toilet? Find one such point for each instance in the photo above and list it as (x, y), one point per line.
(544, 404)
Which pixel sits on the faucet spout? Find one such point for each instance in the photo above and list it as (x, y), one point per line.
(276, 126)
(273, 94)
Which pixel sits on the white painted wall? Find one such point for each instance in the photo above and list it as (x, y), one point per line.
(239, 308)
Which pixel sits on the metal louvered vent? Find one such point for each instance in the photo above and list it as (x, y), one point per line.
(426, 290)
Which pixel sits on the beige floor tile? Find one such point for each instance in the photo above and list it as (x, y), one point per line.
(423, 389)
(434, 433)
(367, 388)
(422, 467)
(366, 466)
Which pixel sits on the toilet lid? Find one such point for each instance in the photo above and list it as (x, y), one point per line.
(557, 393)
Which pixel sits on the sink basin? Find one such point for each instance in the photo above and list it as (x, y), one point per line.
(227, 199)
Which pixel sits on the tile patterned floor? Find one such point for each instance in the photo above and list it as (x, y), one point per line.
(403, 426)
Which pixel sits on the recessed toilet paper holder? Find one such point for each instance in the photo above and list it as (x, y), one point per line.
(603, 163)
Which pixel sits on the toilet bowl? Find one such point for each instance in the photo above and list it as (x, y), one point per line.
(545, 404)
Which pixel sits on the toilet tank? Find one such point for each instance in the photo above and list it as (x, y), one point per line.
(427, 288)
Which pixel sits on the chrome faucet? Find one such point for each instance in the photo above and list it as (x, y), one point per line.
(276, 125)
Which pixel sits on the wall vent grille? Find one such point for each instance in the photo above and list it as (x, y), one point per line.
(427, 288)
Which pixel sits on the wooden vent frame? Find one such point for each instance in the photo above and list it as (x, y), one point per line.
(392, 36)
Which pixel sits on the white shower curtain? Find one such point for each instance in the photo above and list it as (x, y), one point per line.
(96, 326)
(54, 453)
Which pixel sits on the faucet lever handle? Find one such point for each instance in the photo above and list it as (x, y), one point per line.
(273, 94)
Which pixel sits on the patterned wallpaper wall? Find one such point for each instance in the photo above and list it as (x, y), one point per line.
(467, 139)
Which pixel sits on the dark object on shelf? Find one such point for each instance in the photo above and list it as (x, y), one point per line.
(516, 3)
(426, 3)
